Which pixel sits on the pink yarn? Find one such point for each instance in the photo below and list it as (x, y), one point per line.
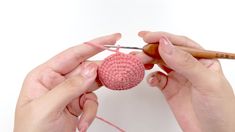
(83, 98)
(120, 71)
(111, 124)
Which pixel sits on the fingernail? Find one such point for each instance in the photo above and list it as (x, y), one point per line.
(143, 33)
(150, 81)
(117, 35)
(89, 70)
(168, 46)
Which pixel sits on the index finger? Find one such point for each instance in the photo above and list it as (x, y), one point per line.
(69, 59)
(153, 37)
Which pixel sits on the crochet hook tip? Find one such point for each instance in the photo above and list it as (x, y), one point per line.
(123, 47)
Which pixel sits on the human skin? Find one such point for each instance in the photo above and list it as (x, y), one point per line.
(197, 91)
(49, 99)
(52, 93)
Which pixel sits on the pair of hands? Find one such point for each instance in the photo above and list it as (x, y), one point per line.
(197, 91)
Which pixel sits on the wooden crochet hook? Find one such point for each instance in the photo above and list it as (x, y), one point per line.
(152, 50)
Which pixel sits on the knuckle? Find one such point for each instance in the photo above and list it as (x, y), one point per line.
(78, 56)
(161, 33)
(74, 82)
(185, 40)
(187, 57)
(187, 60)
(88, 97)
(50, 78)
(185, 37)
(215, 81)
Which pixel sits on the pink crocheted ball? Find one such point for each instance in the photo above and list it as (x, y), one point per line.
(121, 71)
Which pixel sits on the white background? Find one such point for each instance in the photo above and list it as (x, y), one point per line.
(32, 31)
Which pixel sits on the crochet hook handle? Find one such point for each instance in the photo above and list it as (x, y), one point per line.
(152, 50)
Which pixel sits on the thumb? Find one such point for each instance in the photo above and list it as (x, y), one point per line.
(183, 63)
(60, 96)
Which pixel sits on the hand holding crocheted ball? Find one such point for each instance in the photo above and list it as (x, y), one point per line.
(121, 71)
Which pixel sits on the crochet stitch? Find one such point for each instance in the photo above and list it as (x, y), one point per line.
(120, 71)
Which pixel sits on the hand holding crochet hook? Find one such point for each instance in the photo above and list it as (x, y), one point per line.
(196, 90)
(56, 93)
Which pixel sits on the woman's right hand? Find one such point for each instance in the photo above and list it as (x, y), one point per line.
(198, 93)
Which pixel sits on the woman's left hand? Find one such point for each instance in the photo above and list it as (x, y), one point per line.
(50, 97)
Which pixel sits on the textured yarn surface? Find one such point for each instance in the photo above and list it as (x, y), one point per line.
(121, 71)
(118, 71)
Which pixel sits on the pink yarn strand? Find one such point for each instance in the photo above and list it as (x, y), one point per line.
(111, 124)
(100, 118)
(124, 59)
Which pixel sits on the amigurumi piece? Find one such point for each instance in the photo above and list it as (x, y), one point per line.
(121, 71)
